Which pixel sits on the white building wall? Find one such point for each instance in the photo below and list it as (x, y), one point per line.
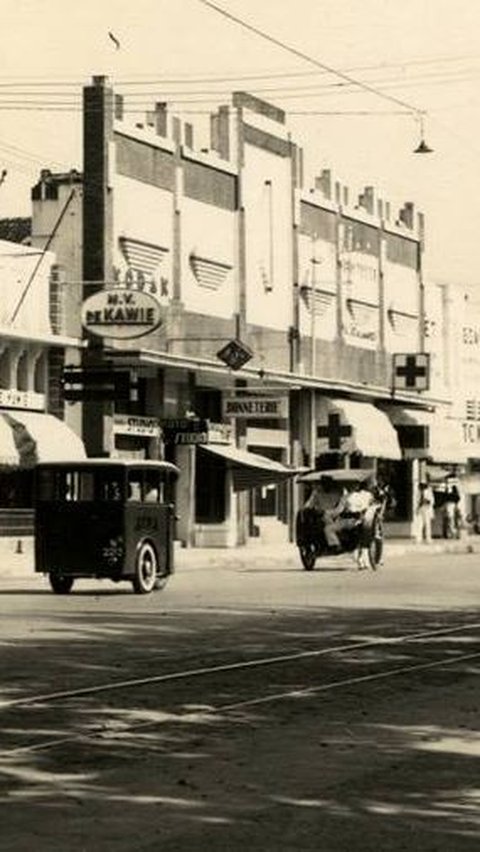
(317, 264)
(208, 259)
(143, 214)
(30, 297)
(268, 208)
(402, 305)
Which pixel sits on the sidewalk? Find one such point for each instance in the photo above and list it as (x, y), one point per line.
(17, 559)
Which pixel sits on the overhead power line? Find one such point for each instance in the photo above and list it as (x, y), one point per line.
(462, 75)
(305, 56)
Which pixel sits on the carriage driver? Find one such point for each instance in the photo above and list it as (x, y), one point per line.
(339, 508)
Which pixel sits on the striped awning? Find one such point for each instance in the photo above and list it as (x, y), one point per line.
(249, 470)
(348, 426)
(320, 300)
(141, 256)
(209, 273)
(402, 323)
(29, 437)
(365, 314)
(445, 441)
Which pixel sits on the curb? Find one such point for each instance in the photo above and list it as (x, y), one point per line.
(17, 554)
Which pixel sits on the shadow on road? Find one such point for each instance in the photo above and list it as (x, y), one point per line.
(316, 752)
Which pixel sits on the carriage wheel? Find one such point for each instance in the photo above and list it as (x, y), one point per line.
(308, 555)
(146, 567)
(60, 583)
(375, 547)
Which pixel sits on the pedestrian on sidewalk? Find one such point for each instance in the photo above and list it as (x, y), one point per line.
(425, 512)
(451, 511)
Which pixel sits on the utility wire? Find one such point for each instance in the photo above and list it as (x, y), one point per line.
(192, 78)
(301, 55)
(461, 75)
(37, 265)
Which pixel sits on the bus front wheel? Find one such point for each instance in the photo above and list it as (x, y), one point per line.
(146, 569)
(60, 583)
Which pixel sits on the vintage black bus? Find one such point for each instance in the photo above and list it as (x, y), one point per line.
(105, 518)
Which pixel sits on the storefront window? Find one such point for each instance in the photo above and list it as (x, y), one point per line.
(210, 488)
(397, 476)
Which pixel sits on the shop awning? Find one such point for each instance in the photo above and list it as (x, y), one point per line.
(444, 439)
(351, 426)
(28, 437)
(249, 470)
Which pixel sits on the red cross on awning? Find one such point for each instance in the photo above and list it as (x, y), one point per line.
(334, 431)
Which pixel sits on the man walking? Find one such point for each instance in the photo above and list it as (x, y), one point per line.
(425, 512)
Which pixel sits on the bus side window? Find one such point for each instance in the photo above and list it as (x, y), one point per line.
(134, 493)
(153, 487)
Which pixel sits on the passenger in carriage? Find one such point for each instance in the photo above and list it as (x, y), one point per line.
(357, 511)
(328, 500)
(358, 501)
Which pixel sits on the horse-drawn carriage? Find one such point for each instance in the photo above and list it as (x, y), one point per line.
(362, 534)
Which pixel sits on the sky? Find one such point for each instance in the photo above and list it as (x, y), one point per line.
(421, 58)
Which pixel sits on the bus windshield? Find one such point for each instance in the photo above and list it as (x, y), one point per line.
(81, 485)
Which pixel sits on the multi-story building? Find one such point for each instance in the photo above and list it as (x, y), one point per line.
(34, 425)
(321, 289)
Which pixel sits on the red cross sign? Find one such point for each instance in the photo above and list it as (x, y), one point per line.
(411, 372)
(334, 432)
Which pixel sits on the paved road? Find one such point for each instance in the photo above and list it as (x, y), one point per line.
(249, 703)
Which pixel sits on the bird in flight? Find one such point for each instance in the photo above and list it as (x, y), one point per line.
(115, 40)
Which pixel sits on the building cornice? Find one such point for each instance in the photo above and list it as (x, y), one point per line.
(60, 340)
(284, 380)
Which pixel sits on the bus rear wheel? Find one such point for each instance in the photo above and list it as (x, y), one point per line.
(60, 583)
(308, 555)
(146, 569)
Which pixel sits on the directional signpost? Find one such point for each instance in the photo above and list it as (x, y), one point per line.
(102, 384)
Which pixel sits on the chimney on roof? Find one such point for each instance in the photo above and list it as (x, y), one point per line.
(406, 215)
(118, 107)
(220, 132)
(188, 134)
(366, 199)
(323, 182)
(161, 118)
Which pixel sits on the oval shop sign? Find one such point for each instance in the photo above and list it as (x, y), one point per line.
(121, 313)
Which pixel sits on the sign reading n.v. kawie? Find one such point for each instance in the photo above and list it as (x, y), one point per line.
(121, 313)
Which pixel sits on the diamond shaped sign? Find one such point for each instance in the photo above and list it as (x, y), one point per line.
(235, 354)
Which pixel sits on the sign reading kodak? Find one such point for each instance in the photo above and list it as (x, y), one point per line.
(121, 313)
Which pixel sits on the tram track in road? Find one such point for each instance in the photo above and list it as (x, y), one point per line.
(311, 691)
(235, 666)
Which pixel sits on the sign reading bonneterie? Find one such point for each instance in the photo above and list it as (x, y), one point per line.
(256, 407)
(121, 313)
